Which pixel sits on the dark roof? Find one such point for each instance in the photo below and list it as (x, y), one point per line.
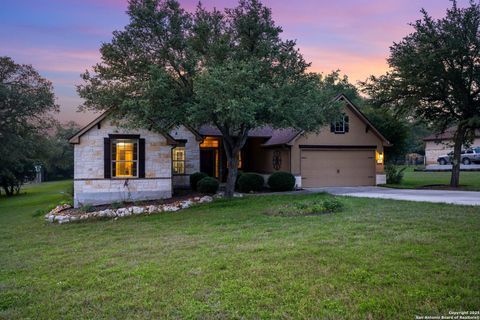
(285, 136)
(446, 135)
(274, 136)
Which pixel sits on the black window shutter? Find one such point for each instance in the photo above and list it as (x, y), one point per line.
(141, 158)
(107, 163)
(332, 127)
(347, 126)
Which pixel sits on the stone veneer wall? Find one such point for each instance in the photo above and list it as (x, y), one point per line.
(90, 186)
(192, 156)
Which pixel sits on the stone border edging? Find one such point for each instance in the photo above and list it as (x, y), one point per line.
(56, 216)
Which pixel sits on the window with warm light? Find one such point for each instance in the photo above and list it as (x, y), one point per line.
(209, 143)
(178, 160)
(124, 158)
(379, 157)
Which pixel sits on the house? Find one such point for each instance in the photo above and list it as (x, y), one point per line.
(440, 144)
(113, 163)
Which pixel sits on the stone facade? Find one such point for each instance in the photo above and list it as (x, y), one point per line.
(90, 184)
(192, 155)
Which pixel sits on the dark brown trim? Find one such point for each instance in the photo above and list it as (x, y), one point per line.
(322, 146)
(181, 142)
(120, 179)
(124, 136)
(180, 174)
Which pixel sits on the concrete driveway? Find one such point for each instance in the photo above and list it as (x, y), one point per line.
(440, 196)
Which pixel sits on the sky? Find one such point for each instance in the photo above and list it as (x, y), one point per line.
(61, 38)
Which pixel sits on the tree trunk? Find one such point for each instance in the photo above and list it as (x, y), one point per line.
(232, 146)
(456, 161)
(232, 161)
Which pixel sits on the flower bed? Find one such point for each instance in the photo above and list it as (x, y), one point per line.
(65, 213)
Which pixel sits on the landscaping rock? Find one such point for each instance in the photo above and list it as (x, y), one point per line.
(137, 210)
(72, 216)
(186, 204)
(170, 208)
(123, 212)
(110, 213)
(205, 199)
(152, 209)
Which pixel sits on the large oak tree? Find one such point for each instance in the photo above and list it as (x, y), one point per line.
(26, 101)
(435, 75)
(229, 69)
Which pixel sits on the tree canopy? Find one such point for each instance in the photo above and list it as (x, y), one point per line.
(435, 75)
(229, 69)
(26, 99)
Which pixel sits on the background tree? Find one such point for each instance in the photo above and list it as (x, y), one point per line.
(56, 153)
(25, 102)
(231, 70)
(435, 75)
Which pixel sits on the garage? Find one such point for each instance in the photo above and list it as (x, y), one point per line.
(337, 167)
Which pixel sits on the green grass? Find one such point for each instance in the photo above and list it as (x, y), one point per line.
(469, 181)
(376, 259)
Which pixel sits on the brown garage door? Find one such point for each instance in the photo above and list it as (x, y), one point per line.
(328, 168)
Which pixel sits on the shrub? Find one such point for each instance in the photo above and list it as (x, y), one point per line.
(239, 174)
(208, 185)
(307, 207)
(394, 174)
(281, 181)
(250, 182)
(332, 205)
(195, 178)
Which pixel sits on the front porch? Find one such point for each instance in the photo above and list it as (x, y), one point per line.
(254, 157)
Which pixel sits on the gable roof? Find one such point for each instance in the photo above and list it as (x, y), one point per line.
(75, 139)
(446, 135)
(362, 117)
(286, 136)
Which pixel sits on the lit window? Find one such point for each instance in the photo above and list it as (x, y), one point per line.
(379, 157)
(178, 160)
(124, 158)
(209, 143)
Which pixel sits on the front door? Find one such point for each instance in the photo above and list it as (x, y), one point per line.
(208, 161)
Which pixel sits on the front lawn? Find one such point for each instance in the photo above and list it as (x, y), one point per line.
(469, 181)
(376, 259)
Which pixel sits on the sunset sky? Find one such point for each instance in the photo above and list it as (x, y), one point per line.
(61, 38)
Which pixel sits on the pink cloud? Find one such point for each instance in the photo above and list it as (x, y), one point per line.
(357, 67)
(55, 59)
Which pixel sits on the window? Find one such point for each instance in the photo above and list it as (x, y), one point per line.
(341, 126)
(379, 157)
(178, 160)
(209, 142)
(124, 158)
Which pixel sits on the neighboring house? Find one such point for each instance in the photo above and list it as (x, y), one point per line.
(113, 163)
(440, 144)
